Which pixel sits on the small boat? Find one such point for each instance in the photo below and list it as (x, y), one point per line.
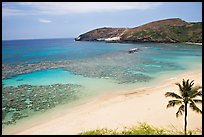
(133, 50)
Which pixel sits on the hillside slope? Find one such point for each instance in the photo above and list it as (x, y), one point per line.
(168, 30)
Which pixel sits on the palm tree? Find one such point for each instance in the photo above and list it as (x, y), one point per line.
(188, 94)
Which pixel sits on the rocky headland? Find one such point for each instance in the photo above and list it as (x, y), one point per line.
(172, 30)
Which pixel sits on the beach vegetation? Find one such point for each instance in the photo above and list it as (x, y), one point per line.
(140, 129)
(188, 96)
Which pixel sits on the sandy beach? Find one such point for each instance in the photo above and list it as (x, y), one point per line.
(117, 110)
(193, 43)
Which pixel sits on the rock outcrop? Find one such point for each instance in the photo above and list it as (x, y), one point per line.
(168, 30)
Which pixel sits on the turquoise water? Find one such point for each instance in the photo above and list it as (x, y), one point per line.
(45, 77)
(98, 67)
(88, 62)
(60, 76)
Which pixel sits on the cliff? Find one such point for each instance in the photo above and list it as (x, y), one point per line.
(168, 30)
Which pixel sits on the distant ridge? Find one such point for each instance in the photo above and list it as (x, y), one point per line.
(168, 30)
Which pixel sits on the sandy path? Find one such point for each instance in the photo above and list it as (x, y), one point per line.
(119, 110)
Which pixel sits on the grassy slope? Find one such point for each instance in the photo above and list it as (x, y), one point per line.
(177, 33)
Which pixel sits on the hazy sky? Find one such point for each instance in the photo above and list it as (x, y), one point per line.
(33, 20)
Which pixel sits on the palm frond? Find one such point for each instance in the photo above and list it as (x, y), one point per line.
(187, 84)
(172, 94)
(195, 91)
(182, 90)
(172, 103)
(184, 83)
(194, 107)
(180, 111)
(197, 100)
(191, 84)
(187, 87)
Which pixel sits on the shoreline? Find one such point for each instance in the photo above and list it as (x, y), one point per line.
(200, 44)
(116, 40)
(111, 111)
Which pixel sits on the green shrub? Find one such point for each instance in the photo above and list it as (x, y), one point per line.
(141, 129)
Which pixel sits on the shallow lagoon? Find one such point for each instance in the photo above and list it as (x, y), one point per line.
(90, 68)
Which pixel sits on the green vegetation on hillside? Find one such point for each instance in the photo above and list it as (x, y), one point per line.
(173, 30)
(141, 129)
(191, 33)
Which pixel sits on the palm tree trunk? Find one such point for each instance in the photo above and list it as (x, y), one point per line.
(185, 118)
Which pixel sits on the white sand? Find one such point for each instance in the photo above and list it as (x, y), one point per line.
(118, 110)
(193, 43)
(112, 39)
(109, 39)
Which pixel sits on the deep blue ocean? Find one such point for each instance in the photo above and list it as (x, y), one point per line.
(21, 51)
